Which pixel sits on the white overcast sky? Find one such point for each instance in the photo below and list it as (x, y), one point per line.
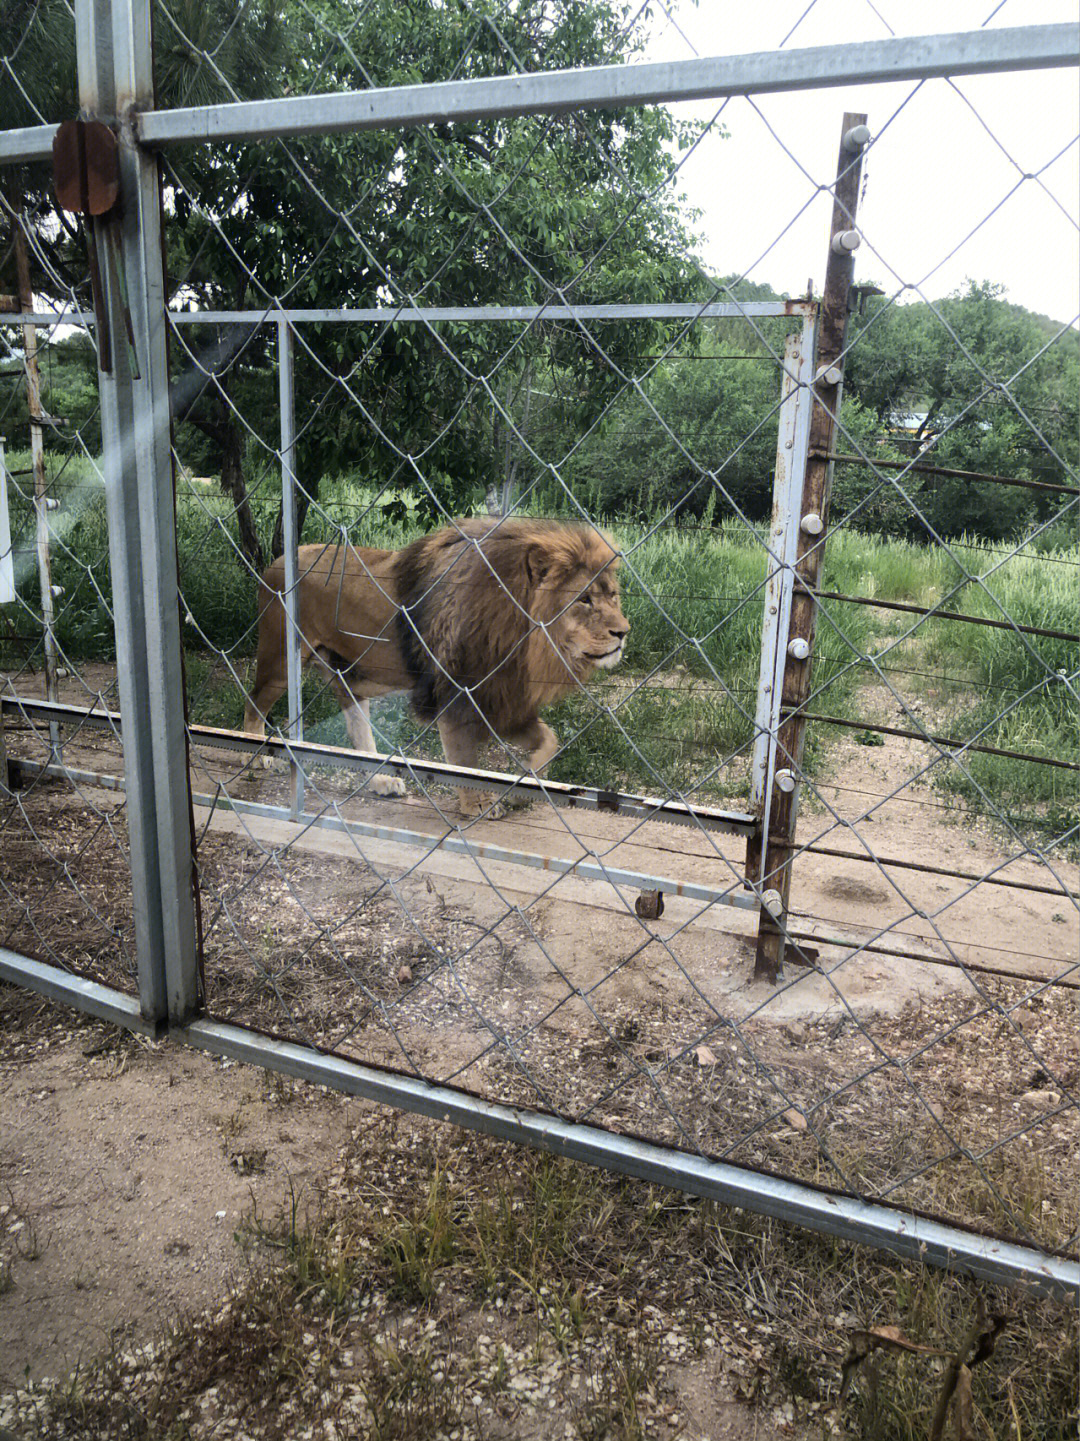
(933, 177)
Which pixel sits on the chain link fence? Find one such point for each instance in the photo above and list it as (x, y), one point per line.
(777, 903)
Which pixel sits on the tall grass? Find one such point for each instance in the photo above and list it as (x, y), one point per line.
(1023, 686)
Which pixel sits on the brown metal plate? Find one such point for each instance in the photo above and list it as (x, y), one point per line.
(86, 171)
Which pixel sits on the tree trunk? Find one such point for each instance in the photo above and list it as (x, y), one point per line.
(303, 500)
(232, 483)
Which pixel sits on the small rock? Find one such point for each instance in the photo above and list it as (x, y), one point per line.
(404, 975)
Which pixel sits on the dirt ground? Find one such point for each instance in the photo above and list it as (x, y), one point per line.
(130, 1171)
(128, 1166)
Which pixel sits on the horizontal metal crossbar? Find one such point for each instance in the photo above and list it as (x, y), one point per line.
(904, 1233)
(71, 990)
(441, 314)
(820, 67)
(592, 798)
(584, 869)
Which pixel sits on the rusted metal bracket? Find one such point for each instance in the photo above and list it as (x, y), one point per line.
(785, 761)
(86, 179)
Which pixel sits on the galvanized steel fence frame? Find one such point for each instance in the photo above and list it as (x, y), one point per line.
(116, 84)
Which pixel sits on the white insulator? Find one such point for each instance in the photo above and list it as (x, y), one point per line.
(798, 649)
(830, 375)
(51, 503)
(57, 590)
(786, 781)
(811, 523)
(856, 138)
(773, 902)
(845, 241)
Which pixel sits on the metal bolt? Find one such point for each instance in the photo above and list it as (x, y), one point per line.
(798, 649)
(786, 781)
(845, 241)
(811, 523)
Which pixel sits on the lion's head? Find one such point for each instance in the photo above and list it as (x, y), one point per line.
(574, 585)
(514, 614)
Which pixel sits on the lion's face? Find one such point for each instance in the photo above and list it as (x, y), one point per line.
(590, 627)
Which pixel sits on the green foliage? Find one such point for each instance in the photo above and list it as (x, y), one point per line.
(996, 388)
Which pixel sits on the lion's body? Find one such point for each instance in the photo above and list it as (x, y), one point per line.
(482, 623)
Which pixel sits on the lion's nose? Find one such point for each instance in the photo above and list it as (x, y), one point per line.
(619, 632)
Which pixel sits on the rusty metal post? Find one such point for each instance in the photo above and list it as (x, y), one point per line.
(785, 761)
(41, 484)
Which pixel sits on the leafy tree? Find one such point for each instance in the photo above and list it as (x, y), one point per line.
(511, 210)
(964, 369)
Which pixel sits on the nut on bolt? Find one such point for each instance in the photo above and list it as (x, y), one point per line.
(650, 905)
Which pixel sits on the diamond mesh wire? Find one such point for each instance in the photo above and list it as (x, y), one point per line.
(924, 1056)
(65, 885)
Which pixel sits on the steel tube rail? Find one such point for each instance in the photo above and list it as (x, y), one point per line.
(434, 314)
(71, 990)
(591, 798)
(905, 1233)
(583, 869)
(556, 92)
(980, 52)
(289, 538)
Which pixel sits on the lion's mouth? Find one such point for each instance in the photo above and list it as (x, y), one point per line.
(608, 658)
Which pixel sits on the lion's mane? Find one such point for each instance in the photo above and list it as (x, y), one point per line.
(470, 597)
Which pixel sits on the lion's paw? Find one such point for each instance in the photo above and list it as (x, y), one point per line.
(478, 806)
(384, 785)
(518, 801)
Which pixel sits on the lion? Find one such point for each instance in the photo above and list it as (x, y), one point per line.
(484, 623)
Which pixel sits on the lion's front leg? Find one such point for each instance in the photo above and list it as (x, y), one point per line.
(461, 747)
(358, 725)
(540, 744)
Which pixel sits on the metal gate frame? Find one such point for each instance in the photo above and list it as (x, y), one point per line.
(115, 84)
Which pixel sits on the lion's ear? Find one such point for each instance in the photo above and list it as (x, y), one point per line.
(537, 565)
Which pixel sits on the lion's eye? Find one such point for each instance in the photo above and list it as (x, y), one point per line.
(584, 600)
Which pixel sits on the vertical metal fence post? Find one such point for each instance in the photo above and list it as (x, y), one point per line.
(792, 443)
(290, 540)
(115, 78)
(41, 484)
(781, 808)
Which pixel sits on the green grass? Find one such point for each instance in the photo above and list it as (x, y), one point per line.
(454, 1272)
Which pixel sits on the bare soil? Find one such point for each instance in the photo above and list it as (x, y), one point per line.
(948, 1084)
